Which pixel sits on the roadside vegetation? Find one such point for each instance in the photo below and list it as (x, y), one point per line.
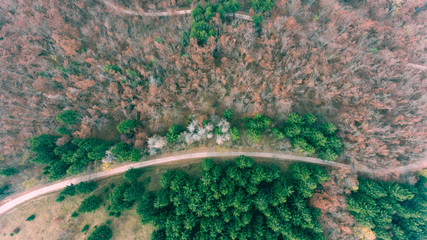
(73, 156)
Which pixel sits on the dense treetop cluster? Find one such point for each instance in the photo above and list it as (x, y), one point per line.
(393, 211)
(239, 200)
(71, 158)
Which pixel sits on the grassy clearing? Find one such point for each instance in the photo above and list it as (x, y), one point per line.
(53, 219)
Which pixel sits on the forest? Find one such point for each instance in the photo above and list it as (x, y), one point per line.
(236, 201)
(89, 84)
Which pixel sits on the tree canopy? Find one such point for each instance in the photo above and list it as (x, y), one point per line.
(101, 233)
(70, 158)
(90, 204)
(67, 117)
(10, 171)
(309, 136)
(391, 210)
(127, 126)
(240, 200)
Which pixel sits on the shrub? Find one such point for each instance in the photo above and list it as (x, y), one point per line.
(231, 6)
(130, 73)
(253, 136)
(185, 39)
(63, 130)
(309, 149)
(60, 198)
(228, 114)
(334, 144)
(90, 204)
(86, 187)
(112, 68)
(10, 171)
(256, 125)
(69, 190)
(299, 143)
(262, 5)
(278, 134)
(328, 154)
(316, 138)
(127, 126)
(125, 152)
(234, 134)
(132, 175)
(293, 119)
(67, 117)
(173, 132)
(31, 218)
(5, 190)
(123, 196)
(309, 120)
(328, 129)
(257, 20)
(292, 131)
(85, 228)
(103, 232)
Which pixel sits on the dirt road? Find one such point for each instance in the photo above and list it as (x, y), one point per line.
(127, 11)
(15, 200)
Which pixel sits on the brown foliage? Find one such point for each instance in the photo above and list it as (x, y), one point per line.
(348, 65)
(337, 222)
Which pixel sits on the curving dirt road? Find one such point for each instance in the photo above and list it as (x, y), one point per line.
(127, 11)
(13, 201)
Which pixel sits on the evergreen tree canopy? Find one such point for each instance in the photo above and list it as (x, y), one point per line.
(72, 157)
(90, 204)
(240, 200)
(391, 210)
(127, 126)
(126, 152)
(306, 135)
(101, 233)
(67, 117)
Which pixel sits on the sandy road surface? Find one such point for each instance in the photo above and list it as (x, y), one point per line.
(14, 200)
